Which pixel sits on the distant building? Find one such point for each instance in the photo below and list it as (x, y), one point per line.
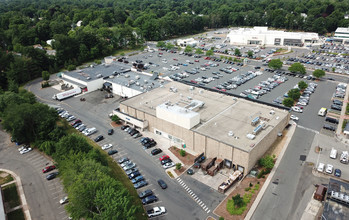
(49, 42)
(78, 24)
(264, 36)
(187, 42)
(38, 46)
(51, 52)
(337, 201)
(346, 16)
(341, 35)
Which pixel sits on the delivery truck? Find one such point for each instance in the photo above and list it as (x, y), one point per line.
(67, 94)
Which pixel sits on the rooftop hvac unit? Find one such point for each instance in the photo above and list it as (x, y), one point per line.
(99, 75)
(137, 84)
(257, 129)
(111, 76)
(189, 98)
(145, 81)
(88, 78)
(126, 75)
(201, 91)
(255, 121)
(191, 88)
(137, 77)
(250, 136)
(272, 112)
(230, 133)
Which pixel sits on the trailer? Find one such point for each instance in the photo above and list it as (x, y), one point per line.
(236, 176)
(208, 163)
(67, 94)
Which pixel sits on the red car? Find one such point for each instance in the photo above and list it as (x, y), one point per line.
(196, 60)
(164, 157)
(207, 58)
(175, 59)
(48, 169)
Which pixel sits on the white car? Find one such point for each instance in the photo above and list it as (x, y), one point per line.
(329, 168)
(107, 146)
(63, 200)
(294, 118)
(297, 109)
(321, 167)
(301, 103)
(168, 165)
(126, 163)
(22, 148)
(25, 150)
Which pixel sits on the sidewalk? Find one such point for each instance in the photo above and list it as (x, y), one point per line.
(270, 177)
(20, 193)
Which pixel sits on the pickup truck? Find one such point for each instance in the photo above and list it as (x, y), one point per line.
(156, 211)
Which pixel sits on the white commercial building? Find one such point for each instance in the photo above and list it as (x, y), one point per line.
(187, 42)
(341, 35)
(264, 37)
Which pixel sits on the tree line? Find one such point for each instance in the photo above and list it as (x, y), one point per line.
(109, 25)
(94, 191)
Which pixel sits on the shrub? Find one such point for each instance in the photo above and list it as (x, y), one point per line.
(97, 61)
(267, 162)
(233, 210)
(178, 166)
(170, 174)
(115, 119)
(182, 152)
(221, 218)
(251, 184)
(247, 189)
(256, 187)
(71, 67)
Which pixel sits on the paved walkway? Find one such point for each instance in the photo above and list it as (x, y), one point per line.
(21, 194)
(343, 115)
(270, 177)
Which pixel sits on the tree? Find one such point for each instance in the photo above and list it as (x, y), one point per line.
(267, 162)
(209, 53)
(71, 144)
(169, 46)
(178, 166)
(294, 94)
(319, 73)
(238, 201)
(199, 51)
(275, 64)
(45, 75)
(302, 85)
(188, 49)
(297, 68)
(115, 119)
(237, 52)
(250, 53)
(288, 102)
(161, 44)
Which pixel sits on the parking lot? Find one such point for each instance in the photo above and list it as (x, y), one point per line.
(326, 145)
(42, 196)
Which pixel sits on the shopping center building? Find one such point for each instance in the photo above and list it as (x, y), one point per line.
(232, 129)
(264, 37)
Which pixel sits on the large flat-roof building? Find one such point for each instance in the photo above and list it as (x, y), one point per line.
(341, 35)
(229, 128)
(264, 36)
(115, 76)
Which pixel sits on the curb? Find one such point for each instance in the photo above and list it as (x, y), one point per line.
(21, 193)
(265, 185)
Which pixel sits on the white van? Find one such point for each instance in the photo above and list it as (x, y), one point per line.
(90, 131)
(322, 112)
(333, 153)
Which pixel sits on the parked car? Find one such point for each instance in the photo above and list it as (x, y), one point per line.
(124, 127)
(129, 166)
(162, 184)
(294, 118)
(329, 127)
(149, 199)
(164, 157)
(156, 151)
(134, 174)
(48, 168)
(297, 109)
(329, 168)
(99, 138)
(140, 184)
(145, 193)
(107, 146)
(122, 160)
(110, 131)
(337, 172)
(137, 135)
(168, 160)
(64, 200)
(190, 171)
(168, 165)
(25, 150)
(51, 176)
(111, 152)
(137, 179)
(128, 172)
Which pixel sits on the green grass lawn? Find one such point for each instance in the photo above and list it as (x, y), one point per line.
(6, 179)
(16, 215)
(11, 195)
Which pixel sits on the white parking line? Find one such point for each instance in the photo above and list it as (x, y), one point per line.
(199, 202)
(202, 204)
(204, 207)
(62, 212)
(208, 211)
(196, 199)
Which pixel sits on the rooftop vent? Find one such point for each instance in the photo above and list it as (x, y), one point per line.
(255, 121)
(137, 77)
(111, 76)
(230, 133)
(189, 98)
(99, 75)
(88, 78)
(250, 136)
(126, 75)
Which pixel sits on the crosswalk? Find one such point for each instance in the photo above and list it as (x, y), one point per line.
(193, 195)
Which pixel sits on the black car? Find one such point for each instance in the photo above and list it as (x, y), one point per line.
(336, 107)
(166, 161)
(156, 151)
(124, 127)
(146, 140)
(133, 132)
(99, 138)
(110, 131)
(140, 184)
(145, 193)
(111, 152)
(329, 127)
(51, 176)
(332, 120)
(134, 174)
(190, 171)
(149, 199)
(128, 172)
(337, 102)
(130, 130)
(149, 144)
(162, 184)
(137, 179)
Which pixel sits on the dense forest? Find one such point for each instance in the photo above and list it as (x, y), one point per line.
(108, 25)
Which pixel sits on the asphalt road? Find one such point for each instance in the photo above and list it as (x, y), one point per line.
(42, 196)
(290, 190)
(94, 113)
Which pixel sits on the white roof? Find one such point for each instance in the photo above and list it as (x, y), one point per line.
(342, 29)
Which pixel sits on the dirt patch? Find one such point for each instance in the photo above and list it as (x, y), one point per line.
(115, 125)
(180, 171)
(221, 210)
(187, 160)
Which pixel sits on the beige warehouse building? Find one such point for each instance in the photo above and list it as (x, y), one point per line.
(235, 130)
